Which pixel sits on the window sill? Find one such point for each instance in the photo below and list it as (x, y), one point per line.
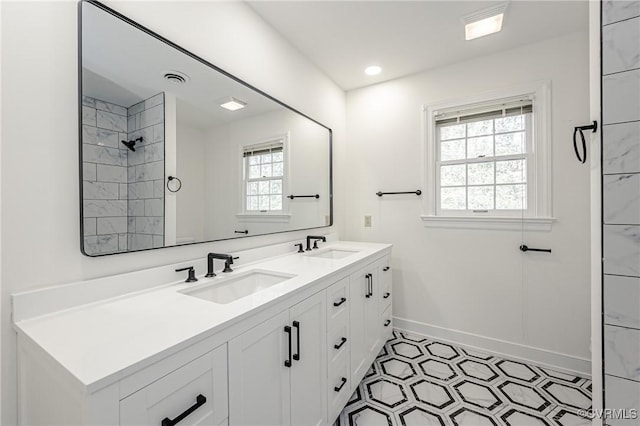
(264, 217)
(503, 223)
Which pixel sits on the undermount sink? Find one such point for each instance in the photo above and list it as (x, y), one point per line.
(238, 287)
(332, 253)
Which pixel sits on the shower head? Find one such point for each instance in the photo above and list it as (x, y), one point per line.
(131, 144)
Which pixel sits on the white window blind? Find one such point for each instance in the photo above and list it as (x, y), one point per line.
(482, 159)
(264, 177)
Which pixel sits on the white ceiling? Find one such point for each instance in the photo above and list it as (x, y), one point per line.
(405, 37)
(124, 65)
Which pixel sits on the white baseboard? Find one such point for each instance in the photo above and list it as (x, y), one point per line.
(535, 356)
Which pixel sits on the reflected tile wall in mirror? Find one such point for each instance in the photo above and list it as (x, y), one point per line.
(123, 210)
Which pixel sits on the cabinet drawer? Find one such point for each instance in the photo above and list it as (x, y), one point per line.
(197, 391)
(338, 342)
(337, 301)
(339, 386)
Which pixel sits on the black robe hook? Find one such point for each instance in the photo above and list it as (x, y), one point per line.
(593, 127)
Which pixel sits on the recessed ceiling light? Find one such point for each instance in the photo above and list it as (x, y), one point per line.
(484, 22)
(372, 70)
(233, 104)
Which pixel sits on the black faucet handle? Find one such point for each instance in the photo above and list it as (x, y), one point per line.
(192, 274)
(300, 249)
(315, 244)
(228, 262)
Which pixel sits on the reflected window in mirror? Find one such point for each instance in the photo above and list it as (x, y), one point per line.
(265, 177)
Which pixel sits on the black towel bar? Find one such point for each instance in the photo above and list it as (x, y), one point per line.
(526, 248)
(380, 193)
(316, 196)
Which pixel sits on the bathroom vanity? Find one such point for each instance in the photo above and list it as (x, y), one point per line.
(283, 339)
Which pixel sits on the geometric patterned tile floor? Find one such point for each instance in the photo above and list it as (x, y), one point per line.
(418, 381)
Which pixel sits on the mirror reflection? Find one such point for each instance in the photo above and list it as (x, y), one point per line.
(177, 152)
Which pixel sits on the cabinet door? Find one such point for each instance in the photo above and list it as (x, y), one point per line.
(358, 290)
(372, 314)
(309, 370)
(197, 392)
(259, 392)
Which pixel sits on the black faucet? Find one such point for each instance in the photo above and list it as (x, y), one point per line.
(192, 274)
(228, 261)
(315, 243)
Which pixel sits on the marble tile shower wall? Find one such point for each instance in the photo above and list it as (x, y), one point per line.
(123, 190)
(145, 174)
(621, 201)
(104, 125)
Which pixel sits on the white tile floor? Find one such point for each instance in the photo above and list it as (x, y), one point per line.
(418, 381)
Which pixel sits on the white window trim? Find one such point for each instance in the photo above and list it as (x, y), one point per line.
(265, 217)
(540, 218)
(280, 216)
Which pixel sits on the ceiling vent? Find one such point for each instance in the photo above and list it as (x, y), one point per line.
(176, 77)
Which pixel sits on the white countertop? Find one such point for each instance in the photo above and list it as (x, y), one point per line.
(96, 341)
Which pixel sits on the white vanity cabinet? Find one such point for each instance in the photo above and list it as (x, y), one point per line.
(278, 370)
(190, 385)
(365, 324)
(194, 394)
(290, 357)
(370, 323)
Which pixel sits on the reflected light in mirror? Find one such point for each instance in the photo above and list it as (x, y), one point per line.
(233, 104)
(373, 70)
(483, 27)
(484, 22)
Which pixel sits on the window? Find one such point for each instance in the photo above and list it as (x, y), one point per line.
(264, 176)
(482, 158)
(487, 160)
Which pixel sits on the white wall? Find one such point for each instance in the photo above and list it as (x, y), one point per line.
(191, 169)
(471, 281)
(1, 304)
(41, 233)
(170, 166)
(210, 166)
(218, 154)
(306, 172)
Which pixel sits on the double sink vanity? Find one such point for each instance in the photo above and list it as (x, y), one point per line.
(284, 338)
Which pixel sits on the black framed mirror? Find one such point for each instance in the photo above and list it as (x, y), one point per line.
(174, 150)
